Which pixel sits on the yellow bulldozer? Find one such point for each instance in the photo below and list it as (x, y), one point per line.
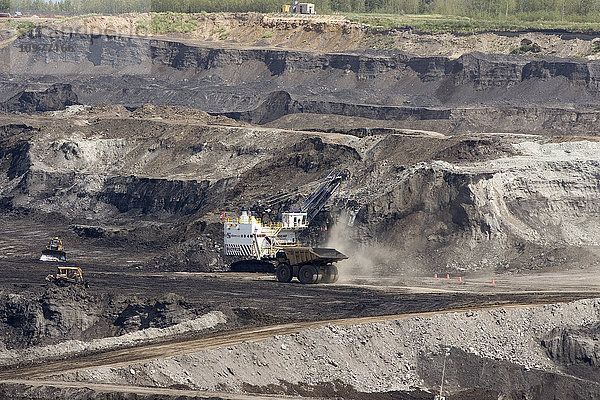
(54, 251)
(66, 276)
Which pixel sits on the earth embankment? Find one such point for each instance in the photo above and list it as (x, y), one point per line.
(473, 93)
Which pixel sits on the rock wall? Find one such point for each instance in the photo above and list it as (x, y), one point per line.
(56, 97)
(422, 204)
(523, 211)
(533, 95)
(54, 314)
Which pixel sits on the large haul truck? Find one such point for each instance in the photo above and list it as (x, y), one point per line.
(276, 243)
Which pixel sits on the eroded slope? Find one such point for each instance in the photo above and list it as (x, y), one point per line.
(473, 93)
(424, 202)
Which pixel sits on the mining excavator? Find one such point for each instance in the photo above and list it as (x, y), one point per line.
(54, 251)
(276, 243)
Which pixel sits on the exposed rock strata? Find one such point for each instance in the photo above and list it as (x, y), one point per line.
(540, 95)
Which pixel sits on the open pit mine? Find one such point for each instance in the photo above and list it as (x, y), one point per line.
(190, 191)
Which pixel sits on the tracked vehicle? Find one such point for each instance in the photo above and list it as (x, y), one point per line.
(67, 276)
(275, 246)
(54, 251)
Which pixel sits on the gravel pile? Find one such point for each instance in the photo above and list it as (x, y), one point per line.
(373, 357)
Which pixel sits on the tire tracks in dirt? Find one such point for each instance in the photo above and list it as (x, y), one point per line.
(148, 391)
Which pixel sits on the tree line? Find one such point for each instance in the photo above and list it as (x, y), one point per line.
(552, 10)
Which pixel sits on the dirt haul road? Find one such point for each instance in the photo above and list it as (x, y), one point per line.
(280, 310)
(146, 365)
(125, 357)
(160, 393)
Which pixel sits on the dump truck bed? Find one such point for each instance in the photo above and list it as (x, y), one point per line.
(320, 255)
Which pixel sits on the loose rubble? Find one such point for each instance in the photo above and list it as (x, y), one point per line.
(374, 357)
(70, 348)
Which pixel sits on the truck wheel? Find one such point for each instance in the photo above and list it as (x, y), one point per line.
(331, 274)
(284, 273)
(309, 274)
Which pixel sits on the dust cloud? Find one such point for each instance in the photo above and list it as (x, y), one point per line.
(365, 262)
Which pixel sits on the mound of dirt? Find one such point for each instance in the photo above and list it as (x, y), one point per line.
(575, 350)
(37, 318)
(57, 97)
(276, 105)
(497, 349)
(203, 254)
(476, 150)
(169, 310)
(31, 318)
